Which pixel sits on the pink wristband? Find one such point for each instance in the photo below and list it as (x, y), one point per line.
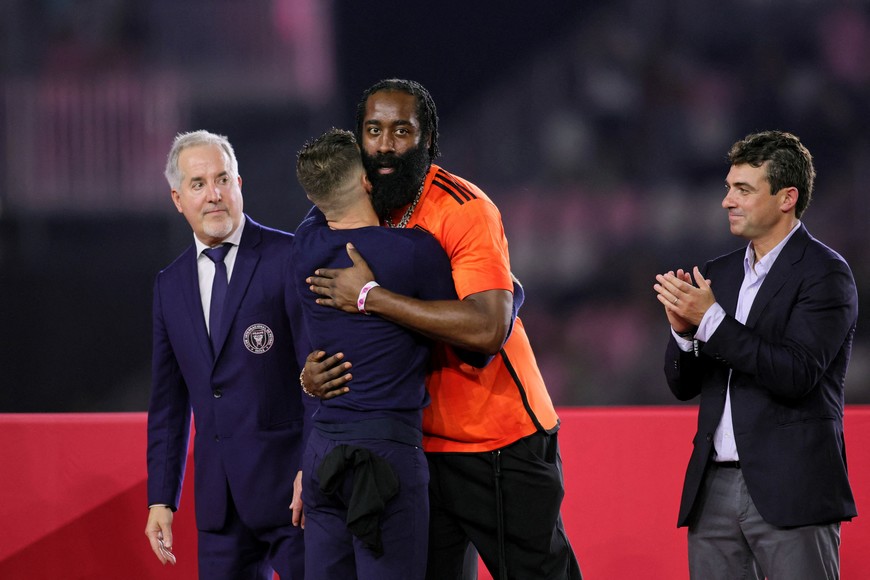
(361, 301)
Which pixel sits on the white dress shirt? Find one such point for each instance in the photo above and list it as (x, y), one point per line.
(206, 268)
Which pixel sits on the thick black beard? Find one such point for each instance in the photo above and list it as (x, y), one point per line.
(396, 189)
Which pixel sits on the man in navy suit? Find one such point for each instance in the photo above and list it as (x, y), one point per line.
(235, 369)
(766, 487)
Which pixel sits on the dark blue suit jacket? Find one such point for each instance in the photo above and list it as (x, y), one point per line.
(246, 400)
(788, 374)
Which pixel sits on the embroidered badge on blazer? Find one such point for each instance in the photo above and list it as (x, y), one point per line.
(258, 338)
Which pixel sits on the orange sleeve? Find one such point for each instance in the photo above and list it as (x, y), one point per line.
(475, 241)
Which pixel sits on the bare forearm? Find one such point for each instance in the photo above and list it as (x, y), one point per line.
(478, 323)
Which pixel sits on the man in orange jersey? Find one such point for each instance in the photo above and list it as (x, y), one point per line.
(490, 433)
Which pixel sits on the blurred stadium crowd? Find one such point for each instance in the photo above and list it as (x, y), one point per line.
(600, 131)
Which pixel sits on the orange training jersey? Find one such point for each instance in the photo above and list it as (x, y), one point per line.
(474, 409)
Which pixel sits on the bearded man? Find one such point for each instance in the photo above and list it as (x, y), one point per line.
(490, 434)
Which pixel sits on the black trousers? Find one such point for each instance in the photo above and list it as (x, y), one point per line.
(506, 502)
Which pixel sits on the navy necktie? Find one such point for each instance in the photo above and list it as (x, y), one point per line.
(218, 290)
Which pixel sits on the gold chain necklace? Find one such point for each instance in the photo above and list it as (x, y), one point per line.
(408, 212)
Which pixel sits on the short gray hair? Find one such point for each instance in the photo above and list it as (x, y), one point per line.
(195, 139)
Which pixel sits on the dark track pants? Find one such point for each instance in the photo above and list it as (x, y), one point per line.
(506, 502)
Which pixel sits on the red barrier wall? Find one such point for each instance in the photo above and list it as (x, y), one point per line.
(72, 495)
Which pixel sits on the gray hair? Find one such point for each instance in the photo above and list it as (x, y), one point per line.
(195, 139)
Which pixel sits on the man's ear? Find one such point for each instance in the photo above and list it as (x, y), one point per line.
(366, 184)
(789, 199)
(176, 199)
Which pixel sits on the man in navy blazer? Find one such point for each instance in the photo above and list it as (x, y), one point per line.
(235, 369)
(766, 487)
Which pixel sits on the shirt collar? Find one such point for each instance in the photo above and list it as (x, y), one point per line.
(763, 265)
(234, 238)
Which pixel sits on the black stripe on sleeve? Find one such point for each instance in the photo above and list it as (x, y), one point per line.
(458, 192)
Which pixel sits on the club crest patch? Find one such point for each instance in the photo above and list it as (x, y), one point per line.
(258, 338)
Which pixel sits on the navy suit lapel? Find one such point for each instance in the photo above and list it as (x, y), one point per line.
(782, 270)
(243, 270)
(193, 300)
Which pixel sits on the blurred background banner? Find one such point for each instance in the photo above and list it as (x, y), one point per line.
(600, 130)
(63, 495)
